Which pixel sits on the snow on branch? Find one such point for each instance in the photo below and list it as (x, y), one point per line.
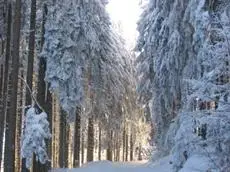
(34, 136)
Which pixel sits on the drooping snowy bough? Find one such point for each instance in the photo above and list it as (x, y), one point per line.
(82, 51)
(36, 131)
(184, 64)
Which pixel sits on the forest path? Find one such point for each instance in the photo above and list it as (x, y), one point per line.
(107, 166)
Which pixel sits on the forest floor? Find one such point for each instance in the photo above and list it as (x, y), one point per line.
(139, 166)
(195, 164)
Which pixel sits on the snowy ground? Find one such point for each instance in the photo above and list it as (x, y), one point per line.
(195, 164)
(106, 166)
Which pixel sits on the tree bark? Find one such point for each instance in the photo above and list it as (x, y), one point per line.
(77, 139)
(5, 77)
(124, 144)
(90, 146)
(11, 117)
(63, 153)
(109, 149)
(99, 144)
(82, 148)
(44, 97)
(30, 67)
(18, 124)
(131, 147)
(126, 147)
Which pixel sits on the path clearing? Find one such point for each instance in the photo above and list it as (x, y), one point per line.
(107, 166)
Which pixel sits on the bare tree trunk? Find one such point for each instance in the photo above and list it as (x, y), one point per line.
(90, 146)
(124, 144)
(99, 143)
(126, 147)
(44, 97)
(5, 77)
(117, 147)
(30, 67)
(67, 142)
(11, 117)
(63, 140)
(82, 148)
(131, 147)
(109, 149)
(77, 139)
(19, 122)
(55, 132)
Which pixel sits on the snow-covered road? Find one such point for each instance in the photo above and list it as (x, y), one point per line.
(106, 166)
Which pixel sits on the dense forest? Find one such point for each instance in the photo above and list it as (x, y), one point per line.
(67, 87)
(71, 92)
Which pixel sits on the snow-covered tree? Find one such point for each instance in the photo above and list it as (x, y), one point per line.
(207, 93)
(183, 70)
(160, 63)
(80, 47)
(36, 131)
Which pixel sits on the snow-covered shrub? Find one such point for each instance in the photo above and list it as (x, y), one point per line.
(214, 147)
(36, 131)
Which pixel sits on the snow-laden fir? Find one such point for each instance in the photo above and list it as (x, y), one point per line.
(36, 132)
(81, 49)
(183, 72)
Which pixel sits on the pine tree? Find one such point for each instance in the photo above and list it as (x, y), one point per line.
(11, 117)
(6, 74)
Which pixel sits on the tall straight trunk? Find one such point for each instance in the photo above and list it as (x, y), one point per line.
(30, 64)
(99, 143)
(11, 115)
(82, 148)
(90, 145)
(5, 77)
(44, 97)
(55, 132)
(30, 67)
(131, 147)
(63, 153)
(109, 149)
(19, 122)
(77, 138)
(67, 143)
(124, 144)
(1, 86)
(117, 147)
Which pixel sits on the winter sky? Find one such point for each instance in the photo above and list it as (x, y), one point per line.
(125, 12)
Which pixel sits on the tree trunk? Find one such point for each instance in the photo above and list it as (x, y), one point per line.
(77, 139)
(11, 117)
(124, 144)
(67, 142)
(30, 67)
(90, 146)
(99, 144)
(63, 153)
(44, 97)
(126, 147)
(109, 149)
(131, 147)
(117, 149)
(5, 77)
(19, 122)
(82, 148)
